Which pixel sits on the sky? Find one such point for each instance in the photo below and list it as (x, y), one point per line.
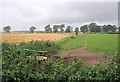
(22, 14)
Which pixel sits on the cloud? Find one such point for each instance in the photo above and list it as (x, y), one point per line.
(20, 15)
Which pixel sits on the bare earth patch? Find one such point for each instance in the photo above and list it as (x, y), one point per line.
(89, 58)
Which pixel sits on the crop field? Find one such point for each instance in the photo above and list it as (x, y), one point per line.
(17, 37)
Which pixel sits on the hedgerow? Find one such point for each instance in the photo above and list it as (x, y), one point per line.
(19, 68)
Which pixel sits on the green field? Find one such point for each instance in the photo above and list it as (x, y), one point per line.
(102, 43)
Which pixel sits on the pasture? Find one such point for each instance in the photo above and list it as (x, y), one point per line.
(101, 43)
(104, 43)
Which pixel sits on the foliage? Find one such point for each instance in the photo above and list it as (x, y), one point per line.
(18, 68)
(49, 46)
(76, 30)
(94, 28)
(55, 28)
(7, 28)
(68, 29)
(90, 28)
(84, 28)
(62, 26)
(32, 28)
(109, 28)
(48, 29)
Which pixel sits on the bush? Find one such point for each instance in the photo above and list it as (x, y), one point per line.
(18, 68)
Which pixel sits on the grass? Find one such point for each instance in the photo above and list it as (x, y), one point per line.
(104, 43)
(71, 42)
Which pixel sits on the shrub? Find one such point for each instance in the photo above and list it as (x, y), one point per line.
(18, 68)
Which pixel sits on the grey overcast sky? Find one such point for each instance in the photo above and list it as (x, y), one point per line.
(21, 14)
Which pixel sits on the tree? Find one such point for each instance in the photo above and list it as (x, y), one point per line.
(7, 28)
(109, 28)
(62, 26)
(55, 28)
(98, 28)
(48, 29)
(84, 28)
(92, 27)
(119, 30)
(76, 30)
(32, 28)
(68, 29)
(104, 28)
(114, 28)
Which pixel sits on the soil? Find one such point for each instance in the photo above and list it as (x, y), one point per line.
(89, 58)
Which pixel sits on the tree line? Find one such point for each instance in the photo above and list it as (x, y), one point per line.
(89, 28)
